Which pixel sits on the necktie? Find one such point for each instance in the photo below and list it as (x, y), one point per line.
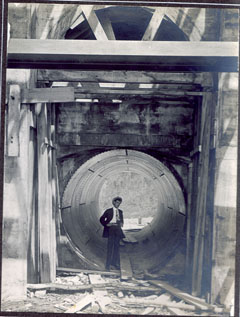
(117, 215)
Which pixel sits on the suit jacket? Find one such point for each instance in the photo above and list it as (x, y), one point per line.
(106, 218)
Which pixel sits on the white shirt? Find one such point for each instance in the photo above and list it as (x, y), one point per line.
(114, 218)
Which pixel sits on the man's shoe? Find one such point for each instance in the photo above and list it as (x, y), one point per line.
(107, 268)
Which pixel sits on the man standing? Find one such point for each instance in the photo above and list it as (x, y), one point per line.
(112, 220)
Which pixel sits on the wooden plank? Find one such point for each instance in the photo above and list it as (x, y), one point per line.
(125, 265)
(154, 24)
(44, 210)
(88, 287)
(197, 302)
(55, 286)
(93, 22)
(158, 302)
(102, 298)
(107, 26)
(13, 122)
(71, 270)
(77, 18)
(177, 311)
(136, 92)
(85, 301)
(96, 87)
(110, 139)
(144, 77)
(141, 98)
(123, 55)
(96, 279)
(35, 95)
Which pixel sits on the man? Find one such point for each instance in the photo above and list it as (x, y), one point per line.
(112, 220)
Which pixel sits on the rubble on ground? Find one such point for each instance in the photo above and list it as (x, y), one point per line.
(94, 293)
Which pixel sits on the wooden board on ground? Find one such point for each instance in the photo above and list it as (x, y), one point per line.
(72, 270)
(102, 298)
(158, 302)
(96, 279)
(197, 302)
(178, 312)
(85, 301)
(125, 265)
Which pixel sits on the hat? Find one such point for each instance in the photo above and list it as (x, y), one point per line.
(116, 198)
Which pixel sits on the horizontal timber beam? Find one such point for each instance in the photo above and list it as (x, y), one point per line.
(137, 92)
(107, 139)
(35, 95)
(168, 100)
(129, 87)
(67, 94)
(144, 77)
(123, 55)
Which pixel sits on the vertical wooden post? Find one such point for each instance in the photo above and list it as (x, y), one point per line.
(194, 194)
(13, 121)
(44, 212)
(46, 193)
(189, 216)
(33, 247)
(201, 199)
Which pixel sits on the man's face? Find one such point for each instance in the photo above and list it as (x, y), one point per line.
(117, 203)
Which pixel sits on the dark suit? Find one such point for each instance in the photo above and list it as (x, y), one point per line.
(114, 233)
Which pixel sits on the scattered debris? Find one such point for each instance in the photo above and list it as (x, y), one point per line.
(102, 299)
(148, 310)
(41, 293)
(93, 292)
(85, 301)
(120, 294)
(96, 279)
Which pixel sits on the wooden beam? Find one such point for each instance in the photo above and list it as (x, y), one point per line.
(92, 86)
(123, 55)
(13, 120)
(154, 24)
(84, 93)
(192, 300)
(77, 18)
(120, 76)
(44, 210)
(73, 270)
(35, 95)
(69, 94)
(153, 91)
(110, 139)
(107, 26)
(94, 23)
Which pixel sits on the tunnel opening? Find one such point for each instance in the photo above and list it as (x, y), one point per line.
(134, 175)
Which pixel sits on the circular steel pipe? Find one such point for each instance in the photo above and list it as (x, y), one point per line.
(81, 209)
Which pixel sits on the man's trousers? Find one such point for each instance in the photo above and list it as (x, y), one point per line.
(113, 256)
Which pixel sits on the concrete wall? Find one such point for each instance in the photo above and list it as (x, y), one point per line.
(225, 190)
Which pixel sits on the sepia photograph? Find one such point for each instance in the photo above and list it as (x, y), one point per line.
(120, 143)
